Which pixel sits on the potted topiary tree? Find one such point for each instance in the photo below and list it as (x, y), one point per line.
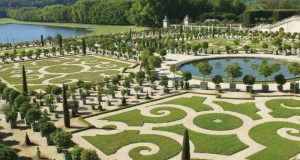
(137, 89)
(57, 91)
(62, 140)
(205, 69)
(123, 92)
(164, 81)
(186, 77)
(294, 68)
(233, 71)
(280, 80)
(217, 80)
(83, 97)
(266, 70)
(249, 80)
(32, 116)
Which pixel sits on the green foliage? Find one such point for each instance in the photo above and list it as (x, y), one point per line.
(32, 3)
(7, 153)
(265, 69)
(25, 88)
(280, 79)
(76, 153)
(250, 16)
(46, 128)
(186, 146)
(205, 69)
(294, 68)
(187, 76)
(89, 155)
(66, 108)
(139, 12)
(233, 71)
(283, 13)
(249, 80)
(27, 140)
(217, 79)
(164, 81)
(62, 139)
(33, 115)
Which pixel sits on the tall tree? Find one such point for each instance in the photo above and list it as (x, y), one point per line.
(59, 40)
(27, 140)
(83, 45)
(42, 40)
(25, 89)
(186, 146)
(65, 108)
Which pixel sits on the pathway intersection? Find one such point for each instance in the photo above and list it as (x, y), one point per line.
(152, 110)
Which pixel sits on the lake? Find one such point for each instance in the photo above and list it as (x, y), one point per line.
(249, 67)
(27, 32)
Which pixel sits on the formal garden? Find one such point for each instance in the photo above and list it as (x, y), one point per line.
(218, 129)
(154, 94)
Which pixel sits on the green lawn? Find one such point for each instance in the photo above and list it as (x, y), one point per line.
(97, 29)
(248, 109)
(281, 112)
(135, 118)
(215, 144)
(110, 144)
(278, 148)
(61, 70)
(64, 69)
(195, 103)
(221, 43)
(218, 122)
(34, 49)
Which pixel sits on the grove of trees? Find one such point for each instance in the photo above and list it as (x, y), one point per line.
(139, 12)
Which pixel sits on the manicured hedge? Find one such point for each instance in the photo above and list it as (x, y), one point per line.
(250, 16)
(283, 13)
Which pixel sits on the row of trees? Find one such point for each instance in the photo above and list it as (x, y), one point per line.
(235, 71)
(20, 104)
(139, 12)
(32, 3)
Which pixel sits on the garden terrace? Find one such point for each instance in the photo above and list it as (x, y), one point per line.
(217, 129)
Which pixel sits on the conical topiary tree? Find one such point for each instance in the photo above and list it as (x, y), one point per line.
(83, 47)
(27, 140)
(186, 146)
(65, 108)
(25, 89)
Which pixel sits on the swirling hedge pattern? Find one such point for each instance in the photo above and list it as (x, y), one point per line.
(55, 71)
(263, 129)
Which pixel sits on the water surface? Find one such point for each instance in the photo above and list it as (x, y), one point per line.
(27, 32)
(249, 67)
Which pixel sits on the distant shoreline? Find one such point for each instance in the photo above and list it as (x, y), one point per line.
(96, 29)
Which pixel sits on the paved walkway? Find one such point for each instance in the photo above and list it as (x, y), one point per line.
(180, 58)
(241, 132)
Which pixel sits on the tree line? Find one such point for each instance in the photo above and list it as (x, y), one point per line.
(273, 4)
(138, 12)
(32, 3)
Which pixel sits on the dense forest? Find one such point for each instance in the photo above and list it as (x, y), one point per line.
(146, 12)
(32, 3)
(138, 12)
(273, 4)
